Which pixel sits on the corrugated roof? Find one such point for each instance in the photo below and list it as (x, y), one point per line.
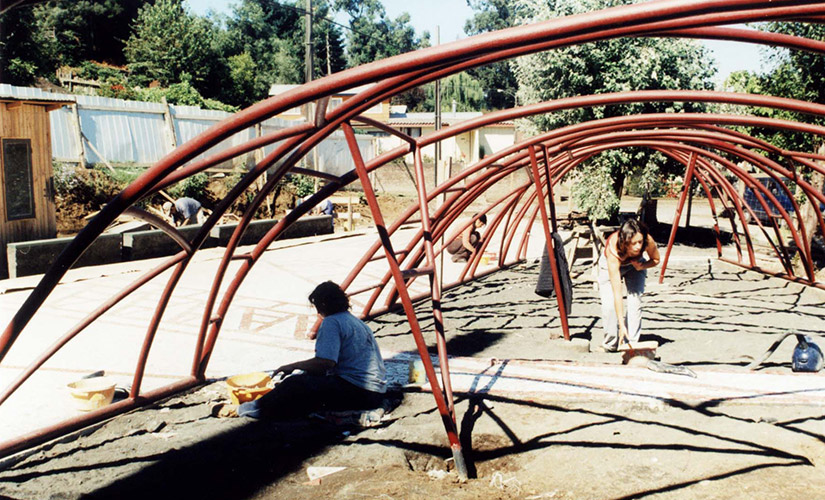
(412, 122)
(280, 88)
(32, 94)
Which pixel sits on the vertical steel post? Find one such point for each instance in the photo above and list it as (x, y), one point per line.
(401, 287)
(549, 242)
(688, 179)
(435, 287)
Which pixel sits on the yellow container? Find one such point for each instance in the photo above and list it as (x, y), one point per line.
(92, 393)
(488, 257)
(417, 375)
(248, 387)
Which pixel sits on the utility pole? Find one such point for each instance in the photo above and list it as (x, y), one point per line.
(308, 43)
(308, 78)
(438, 158)
(437, 109)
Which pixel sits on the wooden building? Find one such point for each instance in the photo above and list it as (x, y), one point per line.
(27, 206)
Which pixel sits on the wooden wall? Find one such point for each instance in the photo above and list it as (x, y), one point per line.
(24, 120)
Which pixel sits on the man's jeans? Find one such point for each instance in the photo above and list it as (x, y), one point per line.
(301, 394)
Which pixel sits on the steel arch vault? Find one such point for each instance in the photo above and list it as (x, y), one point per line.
(702, 142)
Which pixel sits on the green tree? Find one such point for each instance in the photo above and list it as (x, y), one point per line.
(497, 79)
(463, 90)
(374, 36)
(796, 74)
(799, 75)
(83, 30)
(607, 66)
(23, 54)
(272, 35)
(242, 73)
(168, 41)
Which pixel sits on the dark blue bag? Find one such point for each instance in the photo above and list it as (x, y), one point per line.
(807, 357)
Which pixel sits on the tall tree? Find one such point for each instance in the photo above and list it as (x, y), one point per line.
(607, 66)
(83, 30)
(374, 36)
(169, 42)
(23, 54)
(272, 33)
(497, 79)
(799, 75)
(462, 90)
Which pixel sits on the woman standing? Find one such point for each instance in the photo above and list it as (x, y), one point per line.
(624, 257)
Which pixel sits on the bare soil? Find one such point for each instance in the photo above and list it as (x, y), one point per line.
(707, 317)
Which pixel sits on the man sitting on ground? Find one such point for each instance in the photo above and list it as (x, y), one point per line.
(347, 372)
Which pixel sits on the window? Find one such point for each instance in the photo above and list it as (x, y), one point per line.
(334, 103)
(17, 178)
(294, 111)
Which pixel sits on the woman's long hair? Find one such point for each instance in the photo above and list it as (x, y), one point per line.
(629, 229)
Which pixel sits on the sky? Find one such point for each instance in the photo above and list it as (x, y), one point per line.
(451, 15)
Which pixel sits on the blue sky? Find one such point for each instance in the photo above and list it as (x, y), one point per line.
(451, 15)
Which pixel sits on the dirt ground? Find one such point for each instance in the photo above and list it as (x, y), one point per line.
(707, 316)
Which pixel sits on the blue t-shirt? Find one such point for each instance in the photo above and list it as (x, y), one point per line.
(349, 342)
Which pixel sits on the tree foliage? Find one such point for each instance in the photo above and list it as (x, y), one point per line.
(795, 75)
(168, 42)
(272, 35)
(23, 54)
(83, 30)
(617, 65)
(497, 79)
(374, 36)
(234, 58)
(463, 90)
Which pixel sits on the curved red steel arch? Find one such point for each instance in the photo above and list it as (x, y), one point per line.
(520, 207)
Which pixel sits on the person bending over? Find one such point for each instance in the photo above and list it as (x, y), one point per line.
(624, 259)
(184, 212)
(347, 372)
(463, 247)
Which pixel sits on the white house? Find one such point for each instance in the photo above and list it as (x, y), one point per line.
(467, 148)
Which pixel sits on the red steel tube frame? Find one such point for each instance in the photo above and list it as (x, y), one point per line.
(650, 19)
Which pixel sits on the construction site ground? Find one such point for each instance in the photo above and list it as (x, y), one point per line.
(538, 416)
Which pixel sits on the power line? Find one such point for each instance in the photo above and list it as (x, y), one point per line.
(315, 18)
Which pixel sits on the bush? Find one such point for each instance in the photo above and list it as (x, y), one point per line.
(193, 186)
(593, 194)
(182, 94)
(302, 185)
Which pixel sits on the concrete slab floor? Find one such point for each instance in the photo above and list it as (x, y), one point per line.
(708, 317)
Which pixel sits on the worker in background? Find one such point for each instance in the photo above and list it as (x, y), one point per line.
(326, 207)
(184, 212)
(465, 245)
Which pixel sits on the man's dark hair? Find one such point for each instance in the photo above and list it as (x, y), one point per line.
(328, 299)
(483, 219)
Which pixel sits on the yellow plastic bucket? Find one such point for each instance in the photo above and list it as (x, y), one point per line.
(488, 258)
(248, 387)
(92, 393)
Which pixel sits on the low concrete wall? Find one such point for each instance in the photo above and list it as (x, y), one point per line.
(34, 257)
(155, 243)
(305, 226)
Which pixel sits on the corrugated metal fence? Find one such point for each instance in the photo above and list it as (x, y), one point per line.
(116, 131)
